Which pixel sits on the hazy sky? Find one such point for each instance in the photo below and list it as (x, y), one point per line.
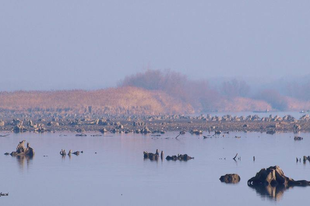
(67, 44)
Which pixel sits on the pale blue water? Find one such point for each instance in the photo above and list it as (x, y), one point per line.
(118, 175)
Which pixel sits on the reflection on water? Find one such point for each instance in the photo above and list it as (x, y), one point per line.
(273, 193)
(22, 160)
(112, 170)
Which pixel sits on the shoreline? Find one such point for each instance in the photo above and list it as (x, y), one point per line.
(159, 124)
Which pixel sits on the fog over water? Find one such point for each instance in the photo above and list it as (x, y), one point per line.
(48, 45)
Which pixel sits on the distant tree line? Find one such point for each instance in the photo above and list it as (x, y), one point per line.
(203, 96)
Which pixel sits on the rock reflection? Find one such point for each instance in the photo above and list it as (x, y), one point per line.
(23, 160)
(271, 182)
(273, 193)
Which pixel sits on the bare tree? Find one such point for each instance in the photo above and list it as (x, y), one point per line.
(274, 98)
(235, 88)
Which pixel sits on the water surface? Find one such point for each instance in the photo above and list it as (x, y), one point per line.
(118, 174)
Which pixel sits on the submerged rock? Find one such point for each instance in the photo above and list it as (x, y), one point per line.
(81, 135)
(181, 157)
(275, 176)
(21, 150)
(272, 182)
(297, 138)
(151, 156)
(77, 153)
(4, 194)
(230, 178)
(63, 152)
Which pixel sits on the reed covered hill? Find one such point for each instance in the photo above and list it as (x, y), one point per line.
(117, 101)
(123, 100)
(131, 100)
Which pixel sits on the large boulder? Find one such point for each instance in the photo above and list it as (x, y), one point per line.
(21, 150)
(275, 176)
(272, 182)
(230, 178)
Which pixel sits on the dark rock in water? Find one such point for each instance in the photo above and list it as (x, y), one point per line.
(22, 151)
(174, 158)
(296, 138)
(80, 130)
(275, 176)
(81, 135)
(272, 182)
(218, 132)
(185, 157)
(145, 154)
(77, 153)
(180, 157)
(103, 130)
(305, 158)
(151, 156)
(4, 194)
(271, 132)
(63, 152)
(230, 178)
(6, 153)
(197, 132)
(182, 132)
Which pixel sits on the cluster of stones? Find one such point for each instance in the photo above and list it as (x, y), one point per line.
(4, 194)
(252, 118)
(196, 131)
(180, 157)
(297, 138)
(63, 152)
(304, 159)
(153, 156)
(20, 126)
(22, 151)
(270, 182)
(156, 124)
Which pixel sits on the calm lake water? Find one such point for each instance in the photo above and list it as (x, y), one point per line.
(118, 174)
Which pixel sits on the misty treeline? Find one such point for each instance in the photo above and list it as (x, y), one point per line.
(205, 97)
(298, 90)
(197, 93)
